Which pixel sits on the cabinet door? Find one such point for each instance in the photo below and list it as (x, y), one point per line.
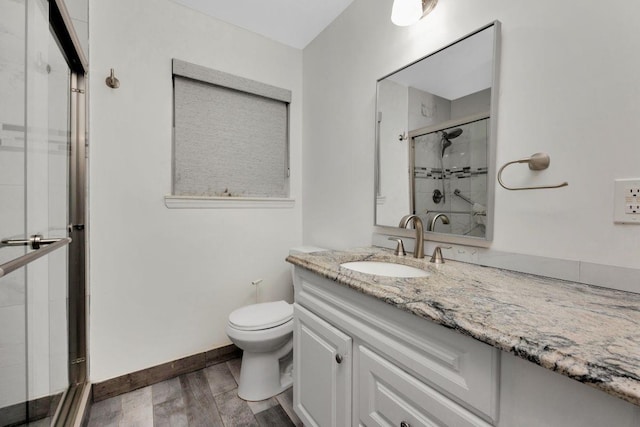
(322, 371)
(389, 396)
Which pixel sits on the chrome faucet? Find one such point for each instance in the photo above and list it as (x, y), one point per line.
(443, 217)
(418, 251)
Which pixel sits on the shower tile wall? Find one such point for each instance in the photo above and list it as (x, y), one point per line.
(465, 164)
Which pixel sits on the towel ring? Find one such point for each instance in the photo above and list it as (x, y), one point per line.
(537, 162)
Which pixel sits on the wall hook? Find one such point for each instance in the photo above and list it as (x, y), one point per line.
(537, 162)
(112, 81)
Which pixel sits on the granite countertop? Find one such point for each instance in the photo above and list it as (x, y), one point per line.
(585, 332)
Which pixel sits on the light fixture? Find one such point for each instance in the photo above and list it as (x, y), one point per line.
(408, 12)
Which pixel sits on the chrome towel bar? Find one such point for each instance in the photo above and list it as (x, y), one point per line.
(52, 245)
(34, 241)
(537, 162)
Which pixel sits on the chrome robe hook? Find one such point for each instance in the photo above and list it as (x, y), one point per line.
(112, 81)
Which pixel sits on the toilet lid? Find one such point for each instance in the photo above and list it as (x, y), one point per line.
(261, 316)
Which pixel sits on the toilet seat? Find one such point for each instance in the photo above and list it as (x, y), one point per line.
(257, 317)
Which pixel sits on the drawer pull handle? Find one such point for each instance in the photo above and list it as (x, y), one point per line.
(403, 424)
(338, 358)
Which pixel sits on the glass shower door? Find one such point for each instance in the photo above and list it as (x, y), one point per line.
(34, 200)
(13, 345)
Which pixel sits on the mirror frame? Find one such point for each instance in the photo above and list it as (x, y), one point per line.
(491, 151)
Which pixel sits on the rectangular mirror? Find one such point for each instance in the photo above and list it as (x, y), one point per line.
(435, 140)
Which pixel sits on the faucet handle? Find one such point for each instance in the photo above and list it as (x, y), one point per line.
(437, 258)
(400, 248)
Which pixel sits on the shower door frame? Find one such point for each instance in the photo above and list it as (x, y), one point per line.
(76, 396)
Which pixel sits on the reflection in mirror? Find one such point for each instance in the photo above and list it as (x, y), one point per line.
(436, 121)
(450, 178)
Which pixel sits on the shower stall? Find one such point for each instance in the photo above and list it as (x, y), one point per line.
(448, 177)
(42, 188)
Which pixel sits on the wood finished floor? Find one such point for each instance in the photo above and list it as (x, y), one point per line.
(200, 399)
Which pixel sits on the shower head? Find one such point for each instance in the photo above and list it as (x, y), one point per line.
(446, 136)
(452, 134)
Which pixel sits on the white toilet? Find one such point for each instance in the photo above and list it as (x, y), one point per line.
(265, 334)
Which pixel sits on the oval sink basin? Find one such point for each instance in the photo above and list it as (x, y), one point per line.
(387, 269)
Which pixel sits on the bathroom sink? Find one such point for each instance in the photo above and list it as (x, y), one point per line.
(388, 269)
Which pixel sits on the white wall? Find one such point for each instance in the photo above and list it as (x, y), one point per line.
(427, 109)
(474, 103)
(568, 86)
(163, 281)
(393, 202)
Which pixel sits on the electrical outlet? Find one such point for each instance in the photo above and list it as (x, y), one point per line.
(627, 201)
(632, 208)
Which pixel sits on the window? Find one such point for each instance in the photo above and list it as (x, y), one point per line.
(230, 136)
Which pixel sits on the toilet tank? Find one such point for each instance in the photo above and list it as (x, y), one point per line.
(304, 250)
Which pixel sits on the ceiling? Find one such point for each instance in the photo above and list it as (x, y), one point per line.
(291, 22)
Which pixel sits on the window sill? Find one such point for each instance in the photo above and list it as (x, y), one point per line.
(195, 202)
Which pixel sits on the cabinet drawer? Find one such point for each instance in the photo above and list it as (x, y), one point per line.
(389, 396)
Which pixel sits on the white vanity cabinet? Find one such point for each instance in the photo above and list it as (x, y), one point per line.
(322, 369)
(360, 361)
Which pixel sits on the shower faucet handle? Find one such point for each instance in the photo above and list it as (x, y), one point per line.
(399, 248)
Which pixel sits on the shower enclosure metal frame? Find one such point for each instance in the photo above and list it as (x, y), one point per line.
(78, 393)
(78, 360)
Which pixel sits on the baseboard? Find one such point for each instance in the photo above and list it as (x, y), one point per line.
(29, 411)
(155, 374)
